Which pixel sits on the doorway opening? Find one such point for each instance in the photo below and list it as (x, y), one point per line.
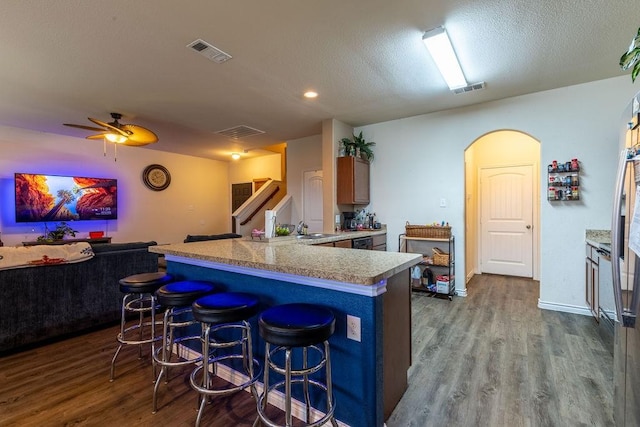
(502, 205)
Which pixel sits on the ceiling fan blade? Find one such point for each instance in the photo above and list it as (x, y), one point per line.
(138, 136)
(84, 127)
(98, 136)
(108, 126)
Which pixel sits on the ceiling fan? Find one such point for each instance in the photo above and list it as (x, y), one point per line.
(125, 134)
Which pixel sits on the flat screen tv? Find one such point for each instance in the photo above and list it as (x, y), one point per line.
(41, 198)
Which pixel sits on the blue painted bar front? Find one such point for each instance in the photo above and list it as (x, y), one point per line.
(357, 366)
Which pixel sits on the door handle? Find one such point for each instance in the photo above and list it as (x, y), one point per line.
(528, 227)
(616, 228)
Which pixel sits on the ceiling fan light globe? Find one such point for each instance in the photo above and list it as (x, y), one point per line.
(118, 139)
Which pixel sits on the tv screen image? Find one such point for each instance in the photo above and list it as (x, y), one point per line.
(41, 198)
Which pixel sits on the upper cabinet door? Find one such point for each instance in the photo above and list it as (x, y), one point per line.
(352, 181)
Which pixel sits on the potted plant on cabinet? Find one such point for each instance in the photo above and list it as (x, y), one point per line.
(358, 147)
(349, 147)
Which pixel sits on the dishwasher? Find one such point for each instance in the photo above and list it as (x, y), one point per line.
(362, 243)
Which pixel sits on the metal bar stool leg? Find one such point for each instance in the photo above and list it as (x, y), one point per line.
(329, 382)
(205, 372)
(122, 325)
(287, 387)
(139, 298)
(305, 384)
(227, 338)
(287, 328)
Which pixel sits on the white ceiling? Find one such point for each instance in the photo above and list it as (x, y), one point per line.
(64, 61)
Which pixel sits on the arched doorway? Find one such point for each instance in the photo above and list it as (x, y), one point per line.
(502, 193)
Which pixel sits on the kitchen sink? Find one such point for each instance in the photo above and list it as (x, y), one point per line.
(314, 236)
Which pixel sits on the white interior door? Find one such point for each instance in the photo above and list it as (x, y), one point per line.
(506, 220)
(312, 200)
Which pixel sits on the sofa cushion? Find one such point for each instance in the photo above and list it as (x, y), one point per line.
(202, 237)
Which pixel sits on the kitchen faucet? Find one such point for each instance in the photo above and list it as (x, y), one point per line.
(300, 229)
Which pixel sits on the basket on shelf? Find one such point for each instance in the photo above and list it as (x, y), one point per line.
(428, 231)
(440, 257)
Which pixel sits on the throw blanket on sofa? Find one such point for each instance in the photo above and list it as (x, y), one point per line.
(33, 256)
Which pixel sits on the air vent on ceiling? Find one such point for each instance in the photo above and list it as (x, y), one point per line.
(209, 51)
(469, 88)
(239, 132)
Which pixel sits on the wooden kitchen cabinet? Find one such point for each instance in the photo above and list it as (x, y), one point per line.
(592, 280)
(343, 243)
(329, 244)
(380, 242)
(352, 181)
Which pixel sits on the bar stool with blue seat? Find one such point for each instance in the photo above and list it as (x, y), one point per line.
(225, 325)
(291, 326)
(139, 298)
(176, 298)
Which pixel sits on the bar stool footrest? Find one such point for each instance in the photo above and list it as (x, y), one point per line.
(217, 392)
(280, 385)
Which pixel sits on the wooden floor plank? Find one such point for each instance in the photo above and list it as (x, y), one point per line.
(514, 364)
(490, 359)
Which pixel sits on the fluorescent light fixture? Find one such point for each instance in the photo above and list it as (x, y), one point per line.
(235, 156)
(440, 48)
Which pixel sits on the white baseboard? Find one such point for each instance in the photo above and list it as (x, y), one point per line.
(566, 308)
(276, 398)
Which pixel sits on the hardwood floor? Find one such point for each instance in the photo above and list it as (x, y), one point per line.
(67, 384)
(495, 359)
(490, 359)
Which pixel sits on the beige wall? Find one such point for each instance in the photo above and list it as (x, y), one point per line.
(255, 167)
(196, 202)
(332, 131)
(304, 154)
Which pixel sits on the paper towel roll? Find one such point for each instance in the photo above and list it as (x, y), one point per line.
(269, 223)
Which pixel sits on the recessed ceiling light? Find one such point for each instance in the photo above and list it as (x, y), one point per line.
(310, 94)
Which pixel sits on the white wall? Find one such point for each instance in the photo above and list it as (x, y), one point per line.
(420, 160)
(196, 202)
(304, 154)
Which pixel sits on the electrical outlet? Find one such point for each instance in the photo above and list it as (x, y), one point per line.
(353, 328)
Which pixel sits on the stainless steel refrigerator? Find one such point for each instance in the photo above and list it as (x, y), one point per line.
(625, 247)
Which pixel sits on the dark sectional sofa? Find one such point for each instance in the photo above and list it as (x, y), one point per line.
(38, 304)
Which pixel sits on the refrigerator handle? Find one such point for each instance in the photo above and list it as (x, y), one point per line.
(616, 225)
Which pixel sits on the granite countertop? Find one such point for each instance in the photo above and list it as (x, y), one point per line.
(334, 237)
(356, 266)
(598, 237)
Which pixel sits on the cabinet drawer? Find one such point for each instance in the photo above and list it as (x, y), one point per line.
(343, 243)
(380, 239)
(330, 244)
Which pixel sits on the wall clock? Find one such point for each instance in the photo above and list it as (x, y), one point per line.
(156, 177)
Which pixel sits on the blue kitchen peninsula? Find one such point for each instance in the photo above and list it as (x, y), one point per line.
(370, 376)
